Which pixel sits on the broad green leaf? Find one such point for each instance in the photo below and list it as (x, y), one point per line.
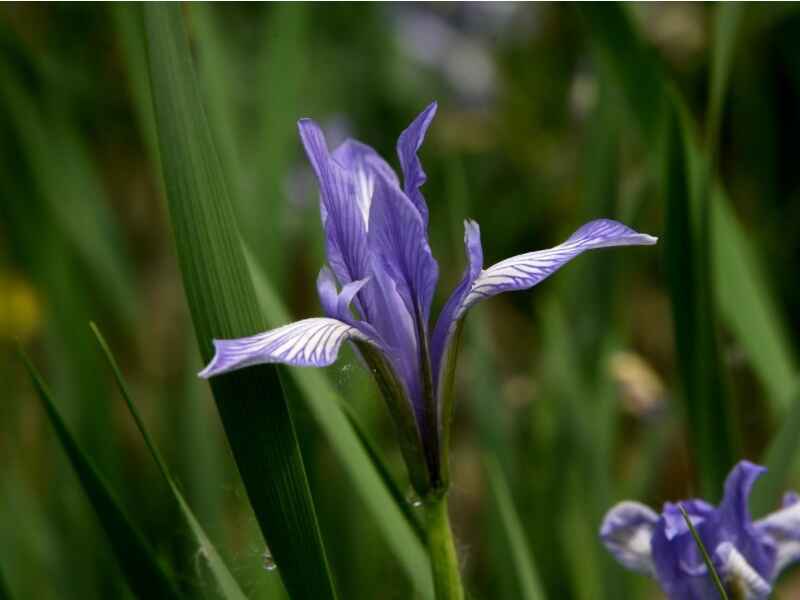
(145, 575)
(223, 579)
(521, 558)
(223, 304)
(686, 241)
(400, 531)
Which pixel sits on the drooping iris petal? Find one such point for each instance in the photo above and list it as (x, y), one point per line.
(739, 575)
(397, 234)
(447, 318)
(362, 162)
(342, 218)
(526, 270)
(408, 144)
(783, 527)
(626, 532)
(307, 343)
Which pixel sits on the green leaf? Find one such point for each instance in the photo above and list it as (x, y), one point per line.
(521, 558)
(224, 580)
(222, 302)
(5, 594)
(368, 474)
(145, 575)
(686, 240)
(742, 294)
(727, 17)
(780, 458)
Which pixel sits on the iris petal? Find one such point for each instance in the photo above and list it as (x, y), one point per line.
(526, 270)
(447, 318)
(739, 575)
(397, 235)
(307, 343)
(362, 162)
(626, 532)
(342, 218)
(408, 144)
(783, 527)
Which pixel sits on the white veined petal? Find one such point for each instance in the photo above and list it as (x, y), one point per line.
(783, 526)
(526, 270)
(739, 576)
(307, 343)
(627, 531)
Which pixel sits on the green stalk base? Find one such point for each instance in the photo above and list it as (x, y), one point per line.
(444, 561)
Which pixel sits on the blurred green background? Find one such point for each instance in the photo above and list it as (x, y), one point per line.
(572, 396)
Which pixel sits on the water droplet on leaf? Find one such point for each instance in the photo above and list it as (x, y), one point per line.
(269, 562)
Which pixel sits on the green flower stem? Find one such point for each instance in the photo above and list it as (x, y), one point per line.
(444, 561)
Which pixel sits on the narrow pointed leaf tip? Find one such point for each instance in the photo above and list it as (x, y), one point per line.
(378, 253)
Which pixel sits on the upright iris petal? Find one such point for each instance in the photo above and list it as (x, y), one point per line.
(379, 285)
(747, 555)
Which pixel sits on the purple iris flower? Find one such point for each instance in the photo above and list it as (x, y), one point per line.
(748, 555)
(378, 287)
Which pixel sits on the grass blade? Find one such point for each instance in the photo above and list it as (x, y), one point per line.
(145, 576)
(522, 560)
(706, 558)
(222, 302)
(727, 17)
(224, 580)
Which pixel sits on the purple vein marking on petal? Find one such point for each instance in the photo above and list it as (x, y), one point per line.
(308, 343)
(526, 270)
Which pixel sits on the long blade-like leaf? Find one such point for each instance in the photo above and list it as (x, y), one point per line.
(521, 558)
(145, 575)
(220, 294)
(225, 582)
(685, 251)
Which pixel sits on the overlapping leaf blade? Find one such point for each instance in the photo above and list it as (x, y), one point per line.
(143, 572)
(225, 582)
(222, 302)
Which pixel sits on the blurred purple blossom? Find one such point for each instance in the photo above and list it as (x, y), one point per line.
(748, 555)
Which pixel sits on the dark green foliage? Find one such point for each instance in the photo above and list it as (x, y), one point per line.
(223, 305)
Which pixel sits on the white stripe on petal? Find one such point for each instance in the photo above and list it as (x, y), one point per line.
(306, 343)
(739, 576)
